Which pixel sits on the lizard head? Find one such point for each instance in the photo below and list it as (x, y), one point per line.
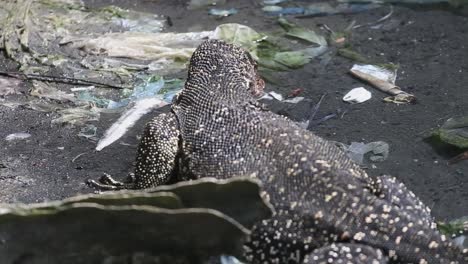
(230, 67)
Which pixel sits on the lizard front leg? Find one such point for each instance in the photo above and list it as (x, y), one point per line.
(156, 157)
(157, 152)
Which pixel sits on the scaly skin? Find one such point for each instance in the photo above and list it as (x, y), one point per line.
(328, 210)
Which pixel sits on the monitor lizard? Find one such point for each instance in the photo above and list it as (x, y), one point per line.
(327, 209)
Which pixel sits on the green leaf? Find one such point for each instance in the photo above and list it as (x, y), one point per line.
(292, 59)
(296, 31)
(455, 132)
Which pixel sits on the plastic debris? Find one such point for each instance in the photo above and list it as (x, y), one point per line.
(143, 46)
(357, 150)
(128, 119)
(455, 3)
(88, 132)
(317, 9)
(154, 86)
(384, 80)
(277, 96)
(77, 115)
(278, 10)
(194, 4)
(17, 136)
(273, 2)
(294, 100)
(357, 95)
(229, 260)
(326, 9)
(9, 86)
(272, 8)
(79, 89)
(87, 97)
(118, 48)
(222, 12)
(461, 241)
(43, 90)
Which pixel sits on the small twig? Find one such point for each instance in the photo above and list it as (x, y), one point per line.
(48, 78)
(79, 155)
(378, 21)
(314, 111)
(458, 158)
(316, 107)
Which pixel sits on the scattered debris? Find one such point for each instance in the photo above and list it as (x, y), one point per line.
(56, 79)
(295, 93)
(357, 150)
(278, 10)
(311, 121)
(357, 95)
(195, 4)
(378, 22)
(229, 260)
(17, 136)
(454, 3)
(9, 86)
(267, 53)
(166, 49)
(78, 156)
(327, 9)
(89, 132)
(274, 95)
(44, 90)
(222, 12)
(317, 9)
(384, 80)
(77, 115)
(273, 2)
(128, 119)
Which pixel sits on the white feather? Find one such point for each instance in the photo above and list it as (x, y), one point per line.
(128, 119)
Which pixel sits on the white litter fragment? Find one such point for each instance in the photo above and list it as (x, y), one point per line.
(460, 241)
(376, 72)
(384, 80)
(229, 260)
(17, 136)
(128, 119)
(357, 95)
(294, 100)
(277, 96)
(79, 89)
(375, 151)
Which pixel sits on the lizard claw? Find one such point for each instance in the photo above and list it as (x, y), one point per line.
(106, 183)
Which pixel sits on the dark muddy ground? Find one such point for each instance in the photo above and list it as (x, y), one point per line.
(429, 44)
